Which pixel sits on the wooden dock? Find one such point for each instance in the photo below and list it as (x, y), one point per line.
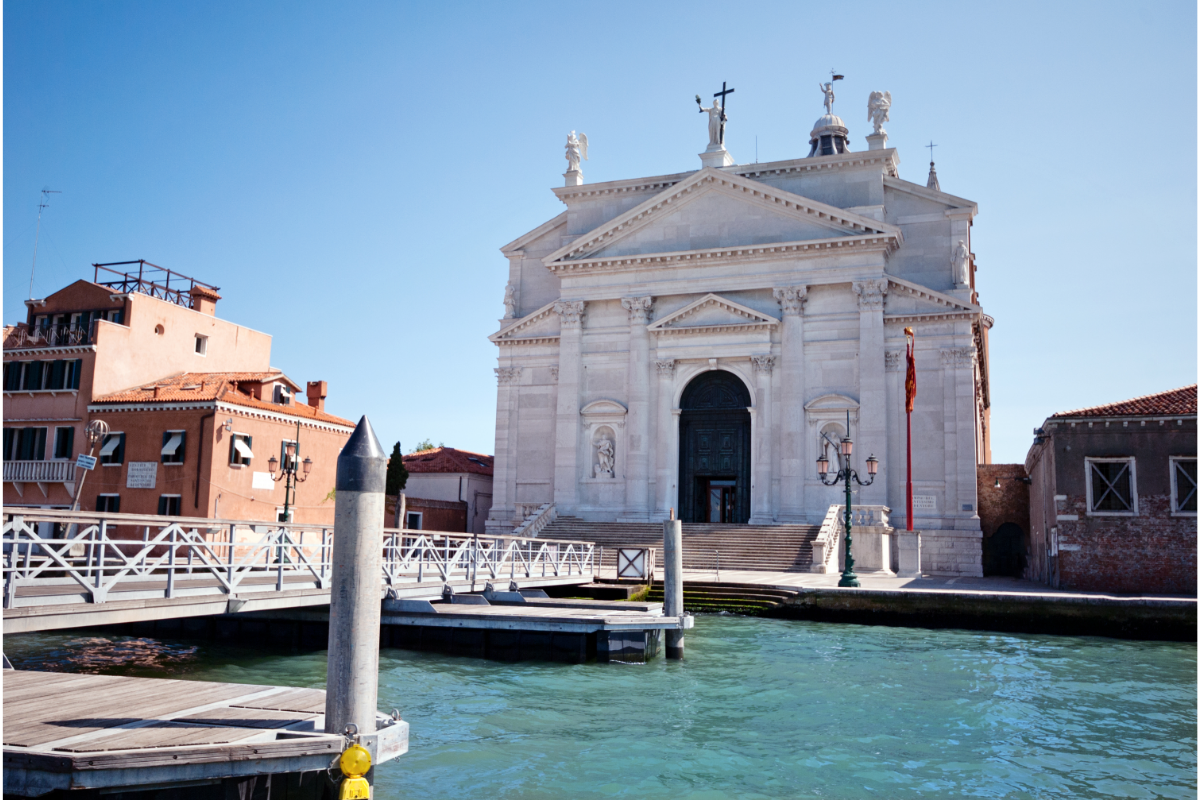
(66, 731)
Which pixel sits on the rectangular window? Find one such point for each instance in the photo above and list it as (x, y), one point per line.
(201, 345)
(58, 375)
(1183, 485)
(113, 316)
(112, 451)
(10, 442)
(168, 505)
(1111, 486)
(413, 522)
(110, 503)
(12, 376)
(281, 517)
(31, 444)
(239, 449)
(73, 370)
(173, 446)
(282, 395)
(64, 442)
(33, 376)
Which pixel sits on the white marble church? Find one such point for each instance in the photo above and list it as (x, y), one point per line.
(696, 341)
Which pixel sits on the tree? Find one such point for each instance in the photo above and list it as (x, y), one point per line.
(425, 445)
(397, 475)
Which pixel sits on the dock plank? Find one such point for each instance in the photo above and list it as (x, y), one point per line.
(302, 700)
(248, 717)
(165, 734)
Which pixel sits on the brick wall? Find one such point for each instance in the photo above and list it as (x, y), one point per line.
(436, 515)
(1152, 552)
(1009, 503)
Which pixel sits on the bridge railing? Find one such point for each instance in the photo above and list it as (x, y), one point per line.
(103, 553)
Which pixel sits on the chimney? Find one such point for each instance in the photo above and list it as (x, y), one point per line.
(157, 389)
(317, 392)
(204, 300)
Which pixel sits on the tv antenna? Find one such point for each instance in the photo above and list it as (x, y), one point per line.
(41, 205)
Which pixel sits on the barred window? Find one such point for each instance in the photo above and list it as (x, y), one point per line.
(1183, 485)
(1111, 486)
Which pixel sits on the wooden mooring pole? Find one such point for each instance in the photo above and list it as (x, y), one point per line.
(352, 686)
(673, 583)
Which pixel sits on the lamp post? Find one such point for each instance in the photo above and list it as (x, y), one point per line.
(289, 474)
(846, 473)
(96, 430)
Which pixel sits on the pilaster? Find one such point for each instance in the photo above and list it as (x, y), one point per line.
(792, 433)
(566, 428)
(958, 365)
(637, 463)
(760, 498)
(504, 477)
(871, 437)
(667, 432)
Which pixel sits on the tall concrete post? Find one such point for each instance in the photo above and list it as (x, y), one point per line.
(352, 686)
(673, 583)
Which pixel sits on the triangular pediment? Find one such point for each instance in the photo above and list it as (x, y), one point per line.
(555, 227)
(713, 209)
(542, 325)
(710, 314)
(907, 301)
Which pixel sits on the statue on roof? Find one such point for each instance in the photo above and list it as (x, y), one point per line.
(962, 258)
(878, 105)
(716, 122)
(827, 90)
(576, 146)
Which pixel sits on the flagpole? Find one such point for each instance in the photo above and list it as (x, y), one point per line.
(910, 394)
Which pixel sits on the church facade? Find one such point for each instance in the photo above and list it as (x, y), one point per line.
(694, 342)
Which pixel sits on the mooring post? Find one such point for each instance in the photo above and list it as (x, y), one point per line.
(352, 686)
(673, 583)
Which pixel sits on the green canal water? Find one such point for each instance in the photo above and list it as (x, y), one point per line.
(759, 709)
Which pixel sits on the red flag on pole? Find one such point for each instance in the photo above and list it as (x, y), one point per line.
(910, 395)
(910, 379)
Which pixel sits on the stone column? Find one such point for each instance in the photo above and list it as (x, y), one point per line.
(792, 435)
(667, 431)
(501, 514)
(566, 427)
(760, 509)
(637, 439)
(871, 436)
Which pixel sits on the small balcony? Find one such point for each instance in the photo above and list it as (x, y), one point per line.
(21, 338)
(39, 471)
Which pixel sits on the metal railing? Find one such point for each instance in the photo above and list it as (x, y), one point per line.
(150, 279)
(39, 471)
(48, 336)
(96, 554)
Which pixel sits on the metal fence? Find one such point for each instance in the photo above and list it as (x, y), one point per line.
(68, 553)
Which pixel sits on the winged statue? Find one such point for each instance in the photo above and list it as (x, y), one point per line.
(878, 105)
(576, 146)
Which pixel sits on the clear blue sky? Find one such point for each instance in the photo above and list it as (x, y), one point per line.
(346, 172)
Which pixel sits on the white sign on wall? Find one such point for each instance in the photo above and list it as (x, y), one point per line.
(924, 502)
(262, 480)
(141, 475)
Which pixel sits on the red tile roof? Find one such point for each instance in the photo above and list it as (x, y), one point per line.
(447, 459)
(201, 386)
(1176, 402)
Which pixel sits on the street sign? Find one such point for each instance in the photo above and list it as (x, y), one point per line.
(86, 462)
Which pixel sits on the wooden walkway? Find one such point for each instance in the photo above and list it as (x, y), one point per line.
(73, 731)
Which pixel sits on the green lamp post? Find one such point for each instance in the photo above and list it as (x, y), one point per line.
(290, 473)
(847, 474)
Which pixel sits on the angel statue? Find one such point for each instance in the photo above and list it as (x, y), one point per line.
(575, 147)
(716, 122)
(827, 90)
(878, 105)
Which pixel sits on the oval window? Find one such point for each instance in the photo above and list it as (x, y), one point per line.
(158, 329)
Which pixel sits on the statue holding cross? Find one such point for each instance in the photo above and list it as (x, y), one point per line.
(716, 116)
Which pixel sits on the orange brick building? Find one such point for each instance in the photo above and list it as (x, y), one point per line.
(194, 408)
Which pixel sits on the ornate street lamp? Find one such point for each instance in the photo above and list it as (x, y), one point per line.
(846, 473)
(289, 474)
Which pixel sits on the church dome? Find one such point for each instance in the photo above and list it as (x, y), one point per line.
(829, 136)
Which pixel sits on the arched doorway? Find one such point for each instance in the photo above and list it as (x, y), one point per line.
(714, 449)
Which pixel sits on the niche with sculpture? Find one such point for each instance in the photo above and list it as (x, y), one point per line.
(604, 446)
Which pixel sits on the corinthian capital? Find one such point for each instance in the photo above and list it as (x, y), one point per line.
(791, 299)
(508, 375)
(666, 368)
(763, 364)
(638, 307)
(870, 294)
(570, 312)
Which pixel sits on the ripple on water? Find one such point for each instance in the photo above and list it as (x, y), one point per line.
(759, 709)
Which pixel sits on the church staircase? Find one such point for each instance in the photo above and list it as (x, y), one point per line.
(772, 548)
